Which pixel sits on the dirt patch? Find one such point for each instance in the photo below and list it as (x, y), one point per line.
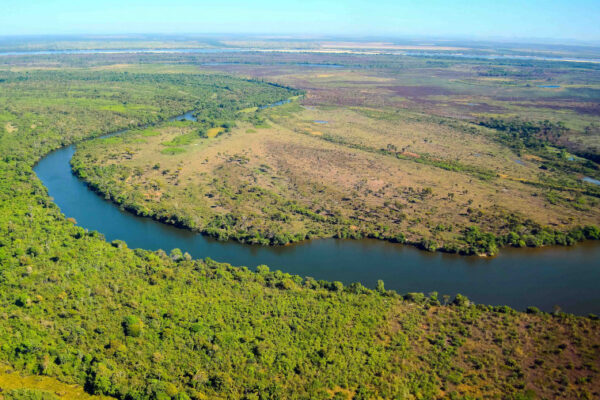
(10, 128)
(531, 157)
(409, 154)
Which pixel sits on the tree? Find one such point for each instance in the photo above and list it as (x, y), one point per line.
(132, 326)
(380, 286)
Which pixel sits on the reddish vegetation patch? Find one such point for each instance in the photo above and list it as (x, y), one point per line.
(418, 91)
(477, 107)
(580, 108)
(339, 97)
(505, 353)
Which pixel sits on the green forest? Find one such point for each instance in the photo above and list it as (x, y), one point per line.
(137, 325)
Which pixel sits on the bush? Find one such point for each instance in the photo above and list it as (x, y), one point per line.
(380, 286)
(428, 245)
(414, 297)
(479, 242)
(132, 326)
(262, 269)
(399, 238)
(591, 232)
(357, 288)
(176, 255)
(286, 284)
(461, 301)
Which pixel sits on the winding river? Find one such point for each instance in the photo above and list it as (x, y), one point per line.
(568, 277)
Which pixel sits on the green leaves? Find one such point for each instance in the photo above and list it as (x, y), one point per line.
(132, 326)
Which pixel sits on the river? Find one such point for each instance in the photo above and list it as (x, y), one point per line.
(568, 277)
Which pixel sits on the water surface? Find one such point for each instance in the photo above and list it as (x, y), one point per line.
(590, 180)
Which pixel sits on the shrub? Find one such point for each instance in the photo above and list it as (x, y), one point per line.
(428, 245)
(132, 326)
(414, 297)
(461, 301)
(399, 238)
(286, 284)
(591, 232)
(262, 269)
(380, 286)
(176, 255)
(357, 288)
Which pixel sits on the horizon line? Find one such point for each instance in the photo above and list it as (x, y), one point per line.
(315, 37)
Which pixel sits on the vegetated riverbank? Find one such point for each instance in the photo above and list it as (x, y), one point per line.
(158, 174)
(559, 276)
(520, 280)
(478, 243)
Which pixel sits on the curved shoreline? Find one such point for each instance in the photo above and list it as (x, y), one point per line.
(567, 276)
(500, 242)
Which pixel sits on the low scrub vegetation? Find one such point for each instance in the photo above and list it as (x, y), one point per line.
(285, 184)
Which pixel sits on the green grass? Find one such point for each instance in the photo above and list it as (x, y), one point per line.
(182, 140)
(173, 150)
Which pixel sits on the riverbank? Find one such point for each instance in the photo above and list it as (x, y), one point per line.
(547, 278)
(266, 181)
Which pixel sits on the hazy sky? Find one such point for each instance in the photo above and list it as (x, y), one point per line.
(564, 19)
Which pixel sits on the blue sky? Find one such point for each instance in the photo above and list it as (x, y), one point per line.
(551, 19)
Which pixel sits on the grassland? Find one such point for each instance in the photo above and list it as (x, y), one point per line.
(365, 154)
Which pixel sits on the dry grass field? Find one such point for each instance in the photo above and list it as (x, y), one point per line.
(396, 148)
(345, 160)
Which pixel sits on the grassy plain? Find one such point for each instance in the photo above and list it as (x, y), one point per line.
(387, 153)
